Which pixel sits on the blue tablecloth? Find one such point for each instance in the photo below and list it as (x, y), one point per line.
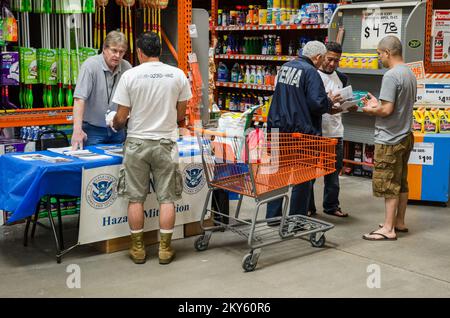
(23, 183)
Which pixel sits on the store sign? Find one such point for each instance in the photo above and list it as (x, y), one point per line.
(414, 44)
(418, 69)
(441, 36)
(435, 94)
(104, 212)
(378, 23)
(422, 154)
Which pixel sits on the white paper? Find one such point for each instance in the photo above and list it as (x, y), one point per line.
(348, 104)
(378, 23)
(62, 150)
(346, 93)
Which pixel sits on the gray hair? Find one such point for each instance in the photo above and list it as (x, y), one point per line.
(391, 44)
(115, 38)
(314, 48)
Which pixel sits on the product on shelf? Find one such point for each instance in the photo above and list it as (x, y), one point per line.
(359, 60)
(444, 121)
(418, 119)
(431, 121)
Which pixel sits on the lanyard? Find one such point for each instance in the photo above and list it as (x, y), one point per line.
(108, 93)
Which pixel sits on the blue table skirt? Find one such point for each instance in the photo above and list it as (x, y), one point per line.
(23, 183)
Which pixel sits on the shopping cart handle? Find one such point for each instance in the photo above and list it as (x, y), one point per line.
(202, 131)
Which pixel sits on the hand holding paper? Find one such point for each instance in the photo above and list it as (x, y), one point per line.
(109, 118)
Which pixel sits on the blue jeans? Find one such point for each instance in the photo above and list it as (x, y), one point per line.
(299, 202)
(100, 135)
(331, 184)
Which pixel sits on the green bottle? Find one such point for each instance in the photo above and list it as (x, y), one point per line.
(69, 95)
(49, 96)
(60, 97)
(29, 97)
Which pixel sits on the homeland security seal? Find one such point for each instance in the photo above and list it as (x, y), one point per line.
(194, 178)
(101, 191)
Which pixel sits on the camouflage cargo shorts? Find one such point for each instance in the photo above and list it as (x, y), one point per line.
(390, 176)
(143, 158)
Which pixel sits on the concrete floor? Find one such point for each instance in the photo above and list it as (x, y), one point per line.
(416, 265)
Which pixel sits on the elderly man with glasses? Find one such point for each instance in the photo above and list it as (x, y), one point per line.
(93, 94)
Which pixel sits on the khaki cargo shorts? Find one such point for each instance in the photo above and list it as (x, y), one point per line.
(390, 176)
(144, 157)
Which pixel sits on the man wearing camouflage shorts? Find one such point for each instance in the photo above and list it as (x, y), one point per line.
(393, 137)
(154, 95)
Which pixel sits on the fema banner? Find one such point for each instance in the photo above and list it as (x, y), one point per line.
(104, 213)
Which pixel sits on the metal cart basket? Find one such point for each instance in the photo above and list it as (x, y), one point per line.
(264, 169)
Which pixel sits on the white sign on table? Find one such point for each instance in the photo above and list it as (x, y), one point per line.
(422, 154)
(378, 23)
(104, 213)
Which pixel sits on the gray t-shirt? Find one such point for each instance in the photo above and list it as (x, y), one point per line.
(96, 85)
(399, 86)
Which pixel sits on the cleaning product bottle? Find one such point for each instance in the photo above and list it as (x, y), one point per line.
(259, 76)
(235, 73)
(431, 122)
(222, 73)
(278, 47)
(418, 119)
(264, 45)
(228, 101)
(253, 75)
(247, 75)
(444, 121)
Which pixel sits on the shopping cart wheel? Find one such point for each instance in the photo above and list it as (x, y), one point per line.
(317, 242)
(201, 243)
(249, 261)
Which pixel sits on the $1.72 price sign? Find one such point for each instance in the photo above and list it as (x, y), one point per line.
(422, 154)
(378, 23)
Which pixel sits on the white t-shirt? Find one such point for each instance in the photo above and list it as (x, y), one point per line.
(152, 91)
(332, 124)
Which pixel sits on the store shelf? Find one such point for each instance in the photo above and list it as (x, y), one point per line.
(362, 71)
(255, 57)
(36, 117)
(272, 27)
(246, 86)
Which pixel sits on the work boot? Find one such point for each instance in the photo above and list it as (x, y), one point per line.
(166, 253)
(137, 250)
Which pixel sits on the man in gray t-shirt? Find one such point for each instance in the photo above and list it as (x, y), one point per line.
(93, 94)
(393, 137)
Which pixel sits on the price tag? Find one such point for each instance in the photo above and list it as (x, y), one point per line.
(378, 23)
(422, 154)
(436, 94)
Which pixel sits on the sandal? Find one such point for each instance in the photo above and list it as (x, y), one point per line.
(405, 230)
(382, 237)
(338, 212)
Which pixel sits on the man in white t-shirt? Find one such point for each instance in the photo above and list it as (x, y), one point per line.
(154, 96)
(332, 127)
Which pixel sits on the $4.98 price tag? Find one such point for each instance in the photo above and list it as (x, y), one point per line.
(378, 23)
(422, 154)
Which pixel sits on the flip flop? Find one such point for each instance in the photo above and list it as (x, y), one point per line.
(405, 230)
(383, 237)
(344, 215)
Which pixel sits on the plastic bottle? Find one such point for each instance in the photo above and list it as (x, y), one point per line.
(278, 47)
(250, 13)
(444, 121)
(259, 76)
(431, 121)
(235, 73)
(291, 48)
(220, 101)
(418, 120)
(241, 74)
(222, 73)
(227, 101)
(264, 45)
(253, 75)
(247, 75)
(219, 16)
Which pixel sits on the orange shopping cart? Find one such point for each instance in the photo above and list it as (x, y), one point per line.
(264, 170)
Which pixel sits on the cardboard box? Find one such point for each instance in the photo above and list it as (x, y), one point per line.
(16, 145)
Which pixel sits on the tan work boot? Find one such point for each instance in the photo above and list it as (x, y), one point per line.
(166, 253)
(137, 250)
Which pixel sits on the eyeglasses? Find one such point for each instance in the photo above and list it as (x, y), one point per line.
(115, 51)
